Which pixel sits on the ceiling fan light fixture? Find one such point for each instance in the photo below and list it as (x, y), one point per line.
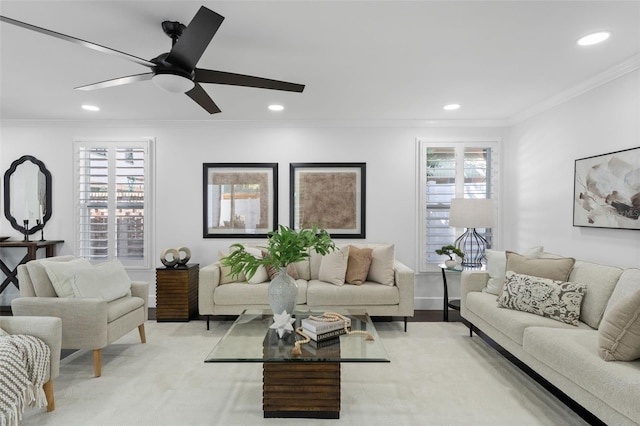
(451, 107)
(275, 107)
(87, 107)
(173, 83)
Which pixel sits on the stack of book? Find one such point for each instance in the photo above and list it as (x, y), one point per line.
(321, 330)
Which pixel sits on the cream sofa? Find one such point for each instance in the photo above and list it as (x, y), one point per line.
(376, 299)
(564, 355)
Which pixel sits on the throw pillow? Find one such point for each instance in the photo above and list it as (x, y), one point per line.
(619, 332)
(61, 274)
(381, 269)
(225, 272)
(557, 300)
(107, 280)
(358, 265)
(272, 271)
(333, 267)
(497, 266)
(553, 268)
(261, 273)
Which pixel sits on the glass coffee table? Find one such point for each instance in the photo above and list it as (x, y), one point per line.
(307, 385)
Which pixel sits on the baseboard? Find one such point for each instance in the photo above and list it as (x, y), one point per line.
(585, 414)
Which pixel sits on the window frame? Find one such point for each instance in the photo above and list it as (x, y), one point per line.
(111, 145)
(459, 145)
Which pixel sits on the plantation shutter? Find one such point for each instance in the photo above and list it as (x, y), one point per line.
(112, 193)
(464, 169)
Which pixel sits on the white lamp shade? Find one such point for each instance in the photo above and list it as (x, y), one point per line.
(173, 83)
(472, 213)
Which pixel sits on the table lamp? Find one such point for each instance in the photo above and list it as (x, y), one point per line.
(472, 213)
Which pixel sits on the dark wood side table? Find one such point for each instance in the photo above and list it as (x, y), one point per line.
(454, 303)
(177, 293)
(32, 252)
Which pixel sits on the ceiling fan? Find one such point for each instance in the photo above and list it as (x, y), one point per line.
(176, 70)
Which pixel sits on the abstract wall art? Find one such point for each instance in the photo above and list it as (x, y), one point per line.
(329, 195)
(607, 190)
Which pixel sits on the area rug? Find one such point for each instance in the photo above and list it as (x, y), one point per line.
(438, 375)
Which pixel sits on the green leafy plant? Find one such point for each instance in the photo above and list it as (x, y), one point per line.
(284, 247)
(450, 251)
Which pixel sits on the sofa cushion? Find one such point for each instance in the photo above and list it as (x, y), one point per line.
(509, 322)
(553, 299)
(628, 283)
(574, 355)
(243, 294)
(106, 280)
(225, 272)
(600, 281)
(553, 268)
(497, 266)
(121, 307)
(333, 267)
(261, 274)
(320, 293)
(61, 274)
(381, 269)
(42, 286)
(619, 332)
(358, 265)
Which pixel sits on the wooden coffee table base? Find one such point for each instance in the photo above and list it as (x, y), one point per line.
(301, 389)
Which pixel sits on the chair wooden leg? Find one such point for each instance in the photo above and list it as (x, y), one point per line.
(48, 391)
(143, 338)
(97, 362)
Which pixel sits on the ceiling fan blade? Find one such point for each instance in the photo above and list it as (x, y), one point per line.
(81, 42)
(117, 81)
(195, 38)
(222, 77)
(201, 97)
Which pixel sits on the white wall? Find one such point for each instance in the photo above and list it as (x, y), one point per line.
(181, 148)
(539, 167)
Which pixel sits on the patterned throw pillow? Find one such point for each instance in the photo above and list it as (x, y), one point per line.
(557, 300)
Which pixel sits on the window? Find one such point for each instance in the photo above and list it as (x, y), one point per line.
(447, 170)
(112, 190)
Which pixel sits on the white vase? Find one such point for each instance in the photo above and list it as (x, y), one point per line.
(283, 293)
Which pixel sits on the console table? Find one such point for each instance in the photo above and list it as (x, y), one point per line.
(32, 250)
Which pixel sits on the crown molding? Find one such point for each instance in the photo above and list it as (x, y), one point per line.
(617, 71)
(253, 123)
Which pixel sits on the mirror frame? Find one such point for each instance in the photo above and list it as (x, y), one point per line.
(7, 194)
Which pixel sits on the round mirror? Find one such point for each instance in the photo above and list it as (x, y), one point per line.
(27, 194)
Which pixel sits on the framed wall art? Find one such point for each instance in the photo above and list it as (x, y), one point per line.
(329, 195)
(239, 199)
(607, 190)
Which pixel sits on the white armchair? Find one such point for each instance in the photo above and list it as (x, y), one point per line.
(47, 329)
(87, 323)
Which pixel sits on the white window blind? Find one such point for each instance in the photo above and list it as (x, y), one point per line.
(451, 169)
(112, 194)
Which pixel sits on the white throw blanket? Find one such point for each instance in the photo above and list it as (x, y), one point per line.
(24, 364)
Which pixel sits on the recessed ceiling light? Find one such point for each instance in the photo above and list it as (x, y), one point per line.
(594, 38)
(90, 108)
(451, 107)
(275, 107)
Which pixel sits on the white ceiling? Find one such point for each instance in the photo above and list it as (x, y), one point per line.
(360, 60)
